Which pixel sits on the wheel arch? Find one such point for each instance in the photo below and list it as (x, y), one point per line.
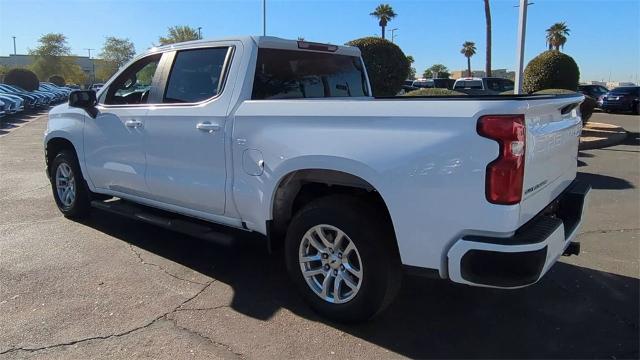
(53, 146)
(298, 187)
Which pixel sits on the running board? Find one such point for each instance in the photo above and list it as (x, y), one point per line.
(167, 220)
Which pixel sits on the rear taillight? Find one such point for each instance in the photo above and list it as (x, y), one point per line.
(505, 175)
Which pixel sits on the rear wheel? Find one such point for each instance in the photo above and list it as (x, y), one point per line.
(341, 255)
(69, 190)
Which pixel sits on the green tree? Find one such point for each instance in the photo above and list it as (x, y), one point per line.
(115, 53)
(387, 65)
(557, 35)
(176, 34)
(487, 16)
(437, 71)
(468, 50)
(53, 57)
(412, 70)
(384, 13)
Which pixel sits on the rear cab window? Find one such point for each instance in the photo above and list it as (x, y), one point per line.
(294, 74)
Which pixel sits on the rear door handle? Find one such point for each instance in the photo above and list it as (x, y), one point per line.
(133, 123)
(207, 126)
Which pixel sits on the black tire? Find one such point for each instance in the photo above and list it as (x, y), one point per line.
(81, 205)
(372, 234)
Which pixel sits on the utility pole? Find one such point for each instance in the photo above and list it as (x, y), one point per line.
(264, 17)
(522, 29)
(93, 66)
(393, 35)
(199, 35)
(14, 46)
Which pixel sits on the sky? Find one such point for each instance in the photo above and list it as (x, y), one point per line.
(604, 39)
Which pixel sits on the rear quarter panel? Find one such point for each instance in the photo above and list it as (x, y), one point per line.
(423, 157)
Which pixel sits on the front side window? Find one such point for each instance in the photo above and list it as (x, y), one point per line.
(196, 75)
(291, 74)
(134, 84)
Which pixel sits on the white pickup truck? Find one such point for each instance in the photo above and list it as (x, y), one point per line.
(283, 138)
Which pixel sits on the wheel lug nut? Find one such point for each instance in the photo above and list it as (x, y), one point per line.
(324, 256)
(341, 267)
(340, 255)
(326, 267)
(335, 272)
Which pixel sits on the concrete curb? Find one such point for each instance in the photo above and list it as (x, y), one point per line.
(599, 135)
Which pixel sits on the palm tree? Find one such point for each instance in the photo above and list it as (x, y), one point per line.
(178, 34)
(487, 16)
(468, 50)
(557, 35)
(384, 13)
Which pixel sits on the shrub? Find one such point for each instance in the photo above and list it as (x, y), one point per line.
(26, 79)
(551, 70)
(433, 92)
(386, 64)
(586, 108)
(57, 80)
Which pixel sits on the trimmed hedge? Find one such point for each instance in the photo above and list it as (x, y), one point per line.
(23, 78)
(551, 70)
(386, 64)
(586, 108)
(57, 80)
(433, 92)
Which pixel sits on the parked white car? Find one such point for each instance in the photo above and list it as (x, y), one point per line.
(283, 138)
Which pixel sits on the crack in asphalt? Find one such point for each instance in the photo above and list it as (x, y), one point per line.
(139, 256)
(164, 316)
(196, 333)
(608, 231)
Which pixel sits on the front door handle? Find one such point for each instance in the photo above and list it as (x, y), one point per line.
(133, 123)
(207, 126)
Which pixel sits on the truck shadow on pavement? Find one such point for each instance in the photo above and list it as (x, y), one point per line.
(574, 312)
(605, 182)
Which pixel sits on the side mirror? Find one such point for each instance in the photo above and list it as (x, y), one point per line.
(84, 99)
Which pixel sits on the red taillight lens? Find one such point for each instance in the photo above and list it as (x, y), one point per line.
(505, 175)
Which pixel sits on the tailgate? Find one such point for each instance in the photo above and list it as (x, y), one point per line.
(553, 129)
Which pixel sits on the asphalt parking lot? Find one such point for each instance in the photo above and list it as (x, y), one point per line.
(114, 288)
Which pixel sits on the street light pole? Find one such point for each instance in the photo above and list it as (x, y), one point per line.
(14, 46)
(93, 66)
(199, 34)
(393, 35)
(264, 17)
(522, 28)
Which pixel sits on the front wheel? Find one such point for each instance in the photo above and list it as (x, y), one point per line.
(340, 253)
(67, 183)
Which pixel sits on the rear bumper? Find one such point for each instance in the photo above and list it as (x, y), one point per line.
(523, 258)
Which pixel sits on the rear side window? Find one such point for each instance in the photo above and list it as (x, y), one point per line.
(290, 74)
(196, 75)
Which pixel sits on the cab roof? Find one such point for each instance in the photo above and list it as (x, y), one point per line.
(271, 42)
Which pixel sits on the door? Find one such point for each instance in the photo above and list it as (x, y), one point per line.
(114, 139)
(185, 137)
